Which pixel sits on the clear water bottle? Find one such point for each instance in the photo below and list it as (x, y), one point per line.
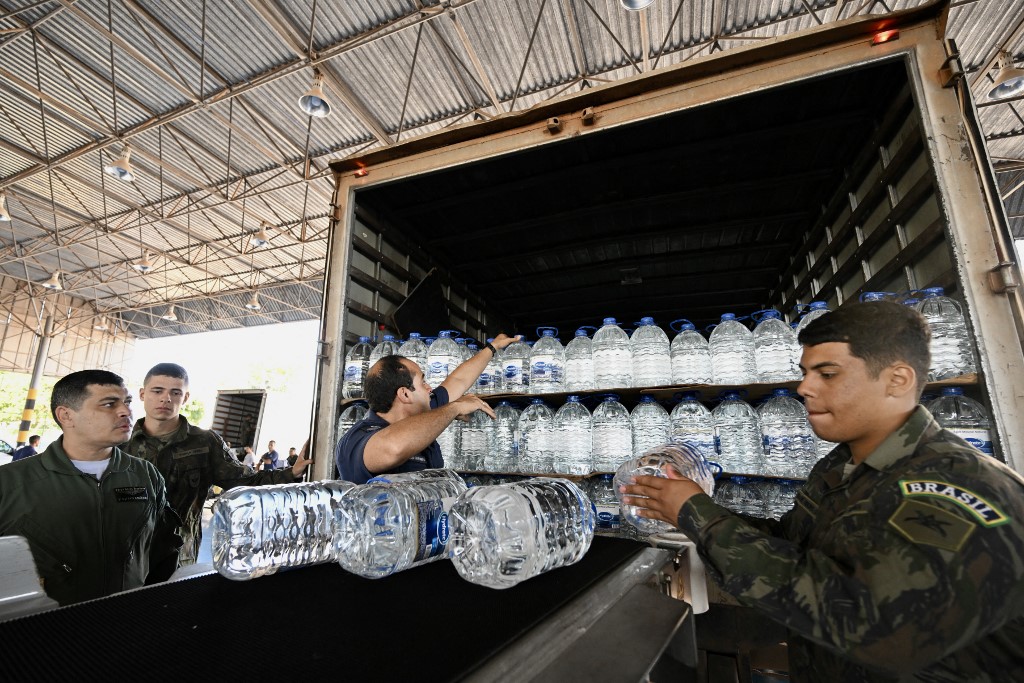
(515, 366)
(256, 530)
(383, 528)
(579, 363)
(387, 347)
(691, 422)
(489, 381)
(477, 440)
(443, 356)
(815, 310)
(613, 435)
(779, 497)
(691, 356)
(737, 435)
(951, 349)
(450, 441)
(650, 424)
(415, 349)
(613, 358)
(652, 360)
(547, 363)
(503, 535)
(789, 443)
(537, 438)
(466, 348)
(574, 428)
(352, 414)
(876, 296)
(963, 416)
(357, 362)
(606, 503)
(470, 350)
(502, 458)
(683, 459)
(732, 352)
(776, 351)
(742, 495)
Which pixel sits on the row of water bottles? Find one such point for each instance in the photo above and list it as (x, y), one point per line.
(766, 498)
(496, 536)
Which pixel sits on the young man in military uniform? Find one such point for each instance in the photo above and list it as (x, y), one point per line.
(190, 458)
(903, 556)
(96, 519)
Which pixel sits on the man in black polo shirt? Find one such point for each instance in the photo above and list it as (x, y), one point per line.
(400, 432)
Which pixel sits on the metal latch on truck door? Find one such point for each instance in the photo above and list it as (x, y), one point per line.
(952, 70)
(1003, 277)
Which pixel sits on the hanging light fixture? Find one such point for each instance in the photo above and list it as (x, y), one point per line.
(5, 215)
(313, 102)
(101, 324)
(170, 314)
(1009, 81)
(143, 265)
(636, 5)
(54, 282)
(261, 238)
(121, 168)
(254, 302)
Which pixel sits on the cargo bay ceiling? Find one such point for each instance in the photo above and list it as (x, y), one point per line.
(204, 96)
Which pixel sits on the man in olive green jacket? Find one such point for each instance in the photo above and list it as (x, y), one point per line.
(96, 519)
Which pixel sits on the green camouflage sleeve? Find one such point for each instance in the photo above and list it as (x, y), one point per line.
(228, 472)
(879, 599)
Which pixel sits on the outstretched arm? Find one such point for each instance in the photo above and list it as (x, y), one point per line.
(464, 376)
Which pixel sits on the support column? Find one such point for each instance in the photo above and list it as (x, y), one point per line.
(37, 378)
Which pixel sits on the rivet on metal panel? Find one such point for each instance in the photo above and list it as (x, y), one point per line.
(588, 116)
(1003, 277)
(554, 124)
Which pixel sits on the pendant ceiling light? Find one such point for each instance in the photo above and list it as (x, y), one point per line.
(121, 168)
(314, 103)
(169, 315)
(254, 302)
(1009, 79)
(54, 282)
(261, 237)
(5, 215)
(636, 5)
(143, 265)
(101, 324)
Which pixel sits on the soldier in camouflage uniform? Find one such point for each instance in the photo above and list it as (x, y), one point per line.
(903, 556)
(190, 458)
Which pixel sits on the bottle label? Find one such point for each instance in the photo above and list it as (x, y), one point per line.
(352, 372)
(433, 529)
(438, 368)
(608, 516)
(484, 380)
(979, 438)
(512, 371)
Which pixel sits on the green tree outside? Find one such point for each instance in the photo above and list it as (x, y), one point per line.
(13, 392)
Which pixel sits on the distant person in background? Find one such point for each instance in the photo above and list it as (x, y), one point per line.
(190, 458)
(250, 459)
(292, 456)
(271, 458)
(28, 449)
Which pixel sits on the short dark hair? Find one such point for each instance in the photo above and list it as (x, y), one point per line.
(71, 390)
(383, 381)
(167, 370)
(879, 332)
(34, 439)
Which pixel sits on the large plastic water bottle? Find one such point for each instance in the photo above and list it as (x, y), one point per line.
(477, 440)
(574, 428)
(613, 435)
(443, 356)
(789, 443)
(815, 310)
(505, 534)
(683, 459)
(515, 367)
(547, 363)
(613, 358)
(737, 435)
(489, 381)
(383, 528)
(691, 356)
(352, 414)
(357, 362)
(652, 360)
(579, 363)
(464, 347)
(415, 349)
(502, 457)
(387, 347)
(650, 424)
(732, 352)
(779, 496)
(742, 495)
(950, 347)
(776, 351)
(450, 442)
(470, 350)
(537, 438)
(963, 416)
(606, 503)
(691, 422)
(256, 530)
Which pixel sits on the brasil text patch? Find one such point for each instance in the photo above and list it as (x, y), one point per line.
(985, 512)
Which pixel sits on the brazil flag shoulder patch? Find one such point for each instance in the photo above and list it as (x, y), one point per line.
(927, 524)
(982, 510)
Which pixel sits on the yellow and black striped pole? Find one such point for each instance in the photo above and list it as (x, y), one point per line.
(37, 378)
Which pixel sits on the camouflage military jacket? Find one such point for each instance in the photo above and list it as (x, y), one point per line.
(191, 460)
(909, 567)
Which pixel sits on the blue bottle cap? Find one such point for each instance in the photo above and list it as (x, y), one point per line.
(933, 292)
(609, 321)
(952, 391)
(728, 316)
(364, 340)
(581, 332)
(818, 305)
(782, 391)
(414, 335)
(647, 320)
(572, 399)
